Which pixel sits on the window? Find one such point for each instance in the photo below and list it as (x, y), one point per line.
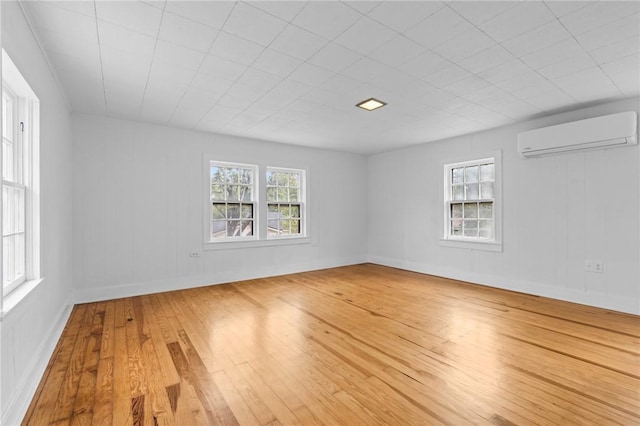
(285, 202)
(253, 205)
(232, 201)
(20, 205)
(472, 201)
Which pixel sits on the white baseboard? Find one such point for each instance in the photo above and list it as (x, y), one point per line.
(598, 300)
(19, 401)
(86, 295)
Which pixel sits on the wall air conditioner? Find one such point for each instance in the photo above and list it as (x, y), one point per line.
(599, 132)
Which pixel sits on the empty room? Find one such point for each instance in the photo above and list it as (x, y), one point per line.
(320, 212)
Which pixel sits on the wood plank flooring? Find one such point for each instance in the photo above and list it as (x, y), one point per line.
(355, 345)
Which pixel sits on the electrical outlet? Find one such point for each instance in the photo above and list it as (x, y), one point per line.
(194, 253)
(598, 266)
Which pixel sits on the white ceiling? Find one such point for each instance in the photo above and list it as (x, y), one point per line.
(292, 71)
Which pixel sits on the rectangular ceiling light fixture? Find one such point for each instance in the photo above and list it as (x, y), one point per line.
(371, 104)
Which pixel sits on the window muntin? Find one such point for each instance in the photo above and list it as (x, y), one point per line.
(470, 200)
(232, 197)
(14, 212)
(285, 202)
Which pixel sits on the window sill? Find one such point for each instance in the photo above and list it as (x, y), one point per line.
(14, 298)
(473, 245)
(281, 241)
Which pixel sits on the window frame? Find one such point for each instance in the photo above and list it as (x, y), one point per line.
(26, 121)
(253, 202)
(493, 243)
(260, 238)
(301, 202)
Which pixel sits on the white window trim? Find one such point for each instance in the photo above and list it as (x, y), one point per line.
(493, 244)
(29, 113)
(260, 238)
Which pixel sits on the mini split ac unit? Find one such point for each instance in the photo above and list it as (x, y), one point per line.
(599, 132)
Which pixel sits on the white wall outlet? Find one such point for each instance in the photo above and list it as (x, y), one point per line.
(598, 266)
(194, 253)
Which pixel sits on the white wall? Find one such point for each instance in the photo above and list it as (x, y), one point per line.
(139, 204)
(557, 212)
(31, 329)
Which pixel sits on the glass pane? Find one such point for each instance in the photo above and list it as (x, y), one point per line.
(273, 208)
(471, 191)
(470, 228)
(487, 172)
(470, 210)
(218, 192)
(233, 211)
(283, 179)
(471, 174)
(456, 227)
(233, 193)
(217, 176)
(272, 194)
(234, 228)
(283, 194)
(293, 194)
(295, 211)
(271, 178)
(247, 228)
(457, 192)
(245, 193)
(233, 175)
(246, 211)
(456, 210)
(295, 226)
(219, 211)
(457, 175)
(294, 179)
(486, 228)
(245, 176)
(486, 210)
(218, 228)
(486, 190)
(285, 212)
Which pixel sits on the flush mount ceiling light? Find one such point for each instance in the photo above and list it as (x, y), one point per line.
(371, 104)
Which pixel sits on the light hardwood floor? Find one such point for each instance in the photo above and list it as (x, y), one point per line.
(363, 344)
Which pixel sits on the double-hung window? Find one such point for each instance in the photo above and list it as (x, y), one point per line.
(20, 183)
(285, 202)
(255, 205)
(13, 195)
(472, 196)
(233, 206)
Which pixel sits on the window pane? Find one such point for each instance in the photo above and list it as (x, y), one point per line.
(233, 228)
(247, 228)
(271, 178)
(486, 190)
(295, 211)
(283, 194)
(233, 211)
(486, 228)
(7, 161)
(294, 179)
(272, 194)
(283, 179)
(470, 228)
(285, 212)
(295, 226)
(245, 176)
(217, 176)
(217, 192)
(470, 210)
(457, 192)
(456, 210)
(457, 175)
(245, 193)
(219, 211)
(293, 194)
(487, 172)
(456, 227)
(471, 174)
(486, 210)
(471, 191)
(246, 211)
